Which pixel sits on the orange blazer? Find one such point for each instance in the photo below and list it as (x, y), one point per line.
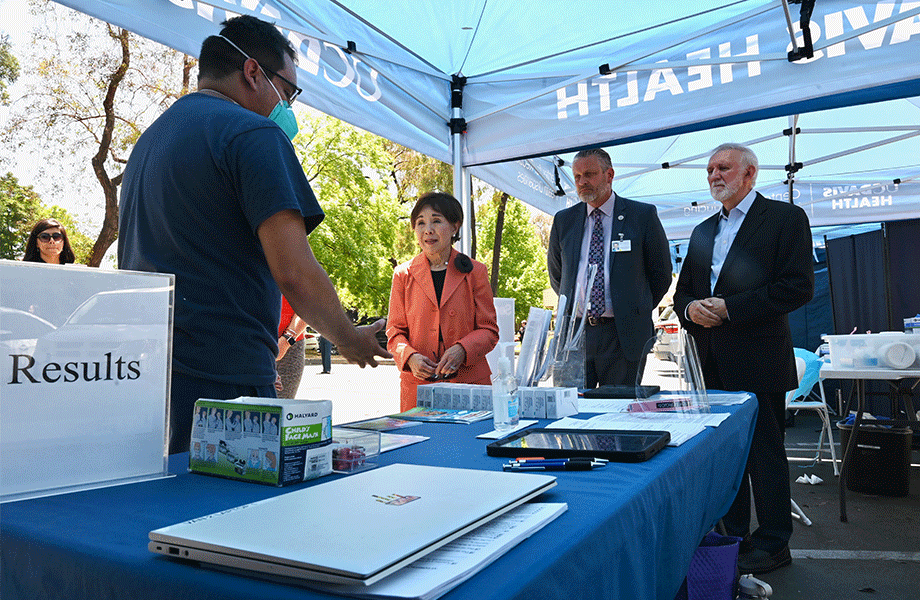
(466, 316)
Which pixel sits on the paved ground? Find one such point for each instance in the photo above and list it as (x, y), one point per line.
(875, 555)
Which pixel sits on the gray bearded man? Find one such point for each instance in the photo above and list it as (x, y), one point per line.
(747, 267)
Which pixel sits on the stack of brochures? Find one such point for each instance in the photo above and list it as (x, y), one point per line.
(443, 415)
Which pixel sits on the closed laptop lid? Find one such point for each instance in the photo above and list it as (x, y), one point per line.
(356, 529)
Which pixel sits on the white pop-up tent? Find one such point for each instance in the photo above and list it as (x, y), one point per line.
(486, 84)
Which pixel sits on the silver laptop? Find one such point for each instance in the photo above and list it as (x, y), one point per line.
(357, 529)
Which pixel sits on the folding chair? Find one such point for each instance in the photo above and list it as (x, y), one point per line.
(804, 398)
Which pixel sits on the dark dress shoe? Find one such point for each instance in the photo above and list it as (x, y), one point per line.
(759, 561)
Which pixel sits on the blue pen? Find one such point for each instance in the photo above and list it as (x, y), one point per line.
(545, 461)
(575, 465)
(541, 459)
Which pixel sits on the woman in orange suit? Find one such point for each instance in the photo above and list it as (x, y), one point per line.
(442, 317)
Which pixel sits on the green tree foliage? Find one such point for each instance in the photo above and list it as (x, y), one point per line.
(93, 89)
(358, 241)
(20, 209)
(522, 265)
(367, 186)
(9, 68)
(412, 174)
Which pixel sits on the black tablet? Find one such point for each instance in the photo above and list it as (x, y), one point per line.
(615, 445)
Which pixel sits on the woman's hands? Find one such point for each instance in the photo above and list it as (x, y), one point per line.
(453, 359)
(421, 366)
(425, 368)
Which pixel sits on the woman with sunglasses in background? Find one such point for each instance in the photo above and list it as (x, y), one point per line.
(48, 243)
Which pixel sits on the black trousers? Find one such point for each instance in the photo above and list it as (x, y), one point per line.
(605, 363)
(325, 349)
(766, 475)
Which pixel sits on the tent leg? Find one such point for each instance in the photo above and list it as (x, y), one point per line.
(461, 188)
(462, 193)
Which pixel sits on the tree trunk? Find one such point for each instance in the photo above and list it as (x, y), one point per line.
(472, 230)
(109, 232)
(496, 247)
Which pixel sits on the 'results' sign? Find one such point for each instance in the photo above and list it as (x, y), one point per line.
(84, 376)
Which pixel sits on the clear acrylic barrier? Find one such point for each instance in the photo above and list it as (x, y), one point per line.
(569, 360)
(504, 313)
(530, 366)
(85, 377)
(688, 392)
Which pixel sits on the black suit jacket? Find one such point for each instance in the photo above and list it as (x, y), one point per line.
(638, 279)
(767, 273)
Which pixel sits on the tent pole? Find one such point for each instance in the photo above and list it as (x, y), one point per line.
(792, 168)
(461, 189)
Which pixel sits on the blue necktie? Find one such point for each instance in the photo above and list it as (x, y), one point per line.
(596, 257)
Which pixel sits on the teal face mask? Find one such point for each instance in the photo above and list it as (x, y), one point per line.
(283, 115)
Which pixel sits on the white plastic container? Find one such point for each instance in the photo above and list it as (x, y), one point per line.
(887, 350)
(505, 404)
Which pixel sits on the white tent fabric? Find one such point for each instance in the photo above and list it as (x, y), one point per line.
(856, 166)
(544, 77)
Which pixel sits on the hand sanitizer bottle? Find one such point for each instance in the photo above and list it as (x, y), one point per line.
(505, 411)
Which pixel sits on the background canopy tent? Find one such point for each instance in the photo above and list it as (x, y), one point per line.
(485, 84)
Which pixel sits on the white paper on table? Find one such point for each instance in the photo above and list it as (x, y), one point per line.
(728, 399)
(704, 419)
(392, 441)
(602, 405)
(680, 431)
(496, 434)
(434, 575)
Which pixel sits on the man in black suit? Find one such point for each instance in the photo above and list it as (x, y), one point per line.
(626, 240)
(746, 268)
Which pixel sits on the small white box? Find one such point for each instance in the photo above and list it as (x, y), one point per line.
(440, 396)
(459, 397)
(482, 397)
(424, 396)
(562, 402)
(539, 402)
(912, 325)
(525, 402)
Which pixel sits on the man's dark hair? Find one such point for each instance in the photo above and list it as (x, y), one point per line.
(259, 39)
(442, 203)
(598, 153)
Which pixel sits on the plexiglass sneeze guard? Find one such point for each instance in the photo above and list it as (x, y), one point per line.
(86, 357)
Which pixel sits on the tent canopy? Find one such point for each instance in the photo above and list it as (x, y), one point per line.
(486, 84)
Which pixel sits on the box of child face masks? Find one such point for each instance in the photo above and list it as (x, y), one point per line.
(265, 440)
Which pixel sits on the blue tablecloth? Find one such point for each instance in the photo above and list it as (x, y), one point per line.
(630, 530)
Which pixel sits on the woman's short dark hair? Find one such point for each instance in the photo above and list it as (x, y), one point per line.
(32, 252)
(442, 203)
(259, 39)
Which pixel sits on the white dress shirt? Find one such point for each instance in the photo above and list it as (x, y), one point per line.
(726, 231)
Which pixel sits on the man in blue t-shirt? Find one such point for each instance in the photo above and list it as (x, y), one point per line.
(214, 193)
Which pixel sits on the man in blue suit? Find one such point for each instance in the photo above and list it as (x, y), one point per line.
(627, 242)
(747, 267)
